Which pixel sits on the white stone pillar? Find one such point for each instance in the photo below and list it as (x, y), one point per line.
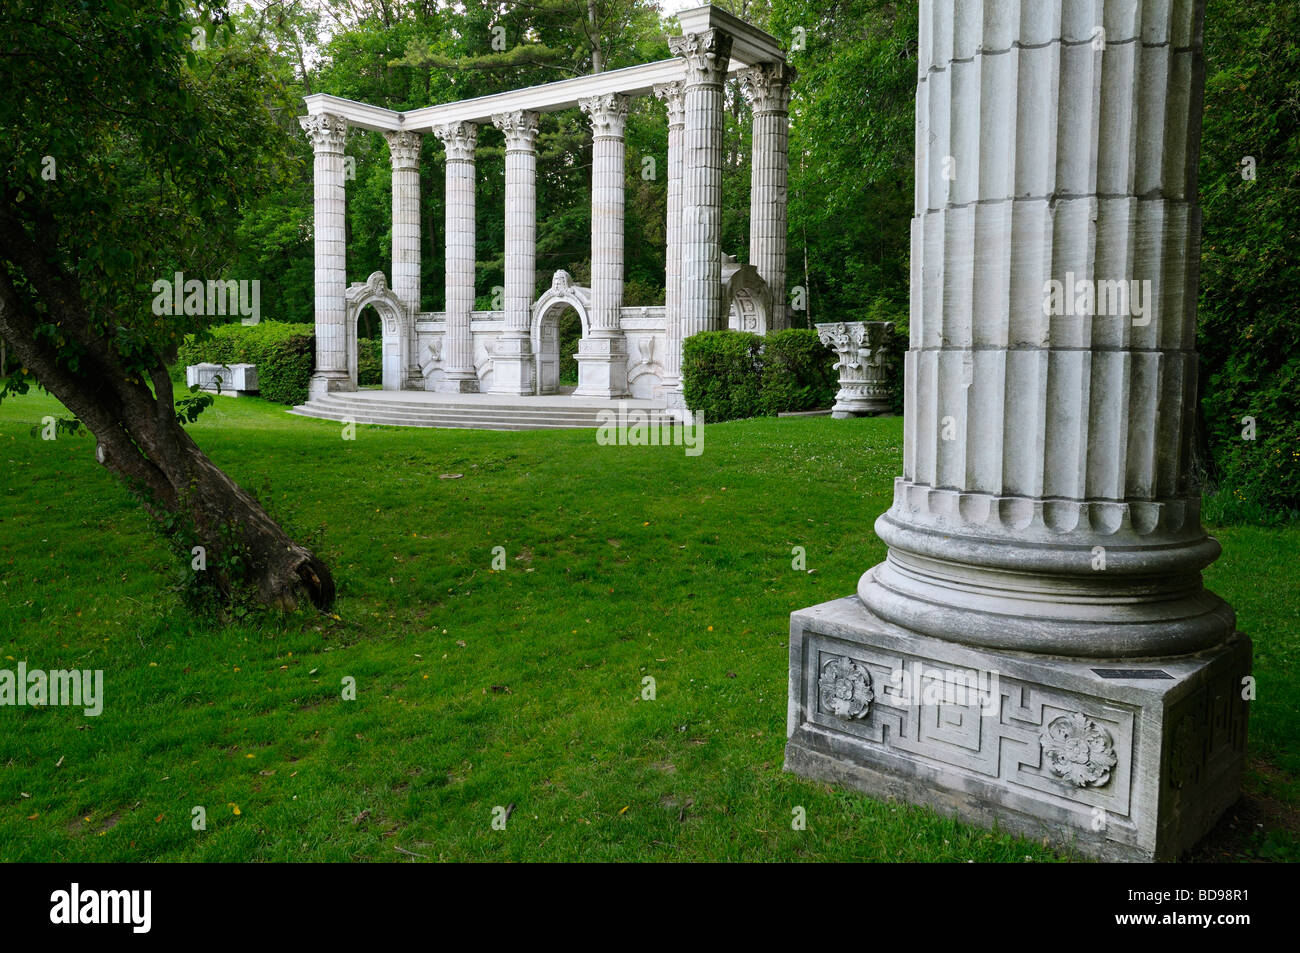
(674, 97)
(460, 140)
(1040, 447)
(512, 359)
(1045, 544)
(404, 152)
(602, 353)
(706, 56)
(767, 88)
(328, 134)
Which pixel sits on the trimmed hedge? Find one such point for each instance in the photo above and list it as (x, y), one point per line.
(729, 375)
(370, 362)
(798, 373)
(285, 355)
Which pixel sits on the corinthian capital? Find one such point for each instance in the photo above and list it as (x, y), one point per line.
(608, 114)
(459, 138)
(404, 149)
(706, 55)
(674, 97)
(766, 87)
(326, 131)
(520, 128)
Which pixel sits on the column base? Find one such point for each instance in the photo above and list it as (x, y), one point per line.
(328, 382)
(457, 385)
(1119, 761)
(1124, 599)
(851, 406)
(602, 366)
(512, 366)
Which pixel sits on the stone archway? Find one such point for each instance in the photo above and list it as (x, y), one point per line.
(746, 298)
(544, 330)
(395, 329)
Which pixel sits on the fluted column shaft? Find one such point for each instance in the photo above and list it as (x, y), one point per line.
(512, 355)
(608, 116)
(328, 134)
(1047, 501)
(767, 87)
(520, 129)
(705, 57)
(460, 140)
(674, 97)
(602, 353)
(404, 152)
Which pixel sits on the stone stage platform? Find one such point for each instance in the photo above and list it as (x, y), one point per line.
(414, 408)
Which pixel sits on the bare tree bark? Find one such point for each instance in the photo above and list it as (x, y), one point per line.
(597, 53)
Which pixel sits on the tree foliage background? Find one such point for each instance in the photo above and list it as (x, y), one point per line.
(851, 155)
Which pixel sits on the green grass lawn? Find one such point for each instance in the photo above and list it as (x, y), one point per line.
(479, 689)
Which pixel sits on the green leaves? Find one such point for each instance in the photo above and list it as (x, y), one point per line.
(189, 408)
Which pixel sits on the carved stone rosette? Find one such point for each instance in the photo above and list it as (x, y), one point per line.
(844, 688)
(860, 348)
(1079, 750)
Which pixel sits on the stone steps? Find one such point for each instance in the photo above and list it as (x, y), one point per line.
(452, 414)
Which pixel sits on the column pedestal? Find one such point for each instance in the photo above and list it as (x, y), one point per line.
(602, 365)
(1122, 761)
(512, 365)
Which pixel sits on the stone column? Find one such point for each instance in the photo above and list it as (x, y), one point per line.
(512, 359)
(767, 88)
(1039, 443)
(328, 134)
(404, 151)
(1045, 543)
(706, 56)
(460, 140)
(602, 353)
(674, 97)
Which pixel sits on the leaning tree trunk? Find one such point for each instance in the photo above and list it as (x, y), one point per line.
(143, 443)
